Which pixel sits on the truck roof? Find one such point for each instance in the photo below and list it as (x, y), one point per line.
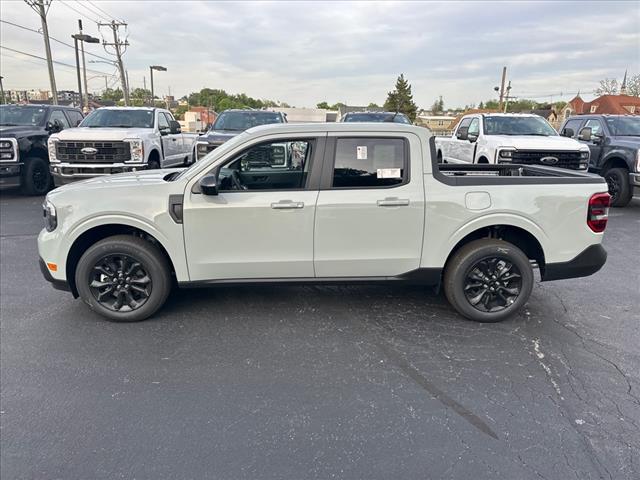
(354, 127)
(130, 108)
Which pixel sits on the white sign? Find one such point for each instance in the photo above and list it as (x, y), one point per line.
(389, 173)
(361, 153)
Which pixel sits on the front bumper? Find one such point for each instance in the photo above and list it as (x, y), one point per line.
(10, 175)
(586, 263)
(64, 173)
(634, 181)
(57, 284)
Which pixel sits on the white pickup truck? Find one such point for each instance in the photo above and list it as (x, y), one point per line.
(510, 138)
(119, 139)
(362, 203)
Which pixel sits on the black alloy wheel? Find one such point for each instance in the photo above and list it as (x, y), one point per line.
(614, 187)
(120, 283)
(492, 284)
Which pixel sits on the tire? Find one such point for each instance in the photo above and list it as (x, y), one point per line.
(36, 178)
(154, 164)
(151, 277)
(619, 188)
(483, 256)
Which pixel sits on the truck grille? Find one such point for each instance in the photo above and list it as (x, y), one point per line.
(106, 152)
(534, 157)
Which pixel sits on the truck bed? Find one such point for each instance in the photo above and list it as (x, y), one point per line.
(501, 174)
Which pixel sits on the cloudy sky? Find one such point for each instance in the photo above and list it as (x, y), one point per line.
(303, 53)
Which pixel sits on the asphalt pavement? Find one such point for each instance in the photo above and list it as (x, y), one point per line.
(375, 382)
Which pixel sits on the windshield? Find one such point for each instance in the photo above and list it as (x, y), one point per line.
(624, 126)
(498, 125)
(122, 118)
(221, 150)
(376, 117)
(22, 115)
(240, 121)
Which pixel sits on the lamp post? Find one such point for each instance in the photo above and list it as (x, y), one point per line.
(1, 90)
(80, 37)
(151, 69)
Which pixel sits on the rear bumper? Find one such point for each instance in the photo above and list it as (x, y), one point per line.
(586, 263)
(57, 284)
(10, 175)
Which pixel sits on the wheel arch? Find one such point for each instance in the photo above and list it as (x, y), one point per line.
(99, 232)
(614, 161)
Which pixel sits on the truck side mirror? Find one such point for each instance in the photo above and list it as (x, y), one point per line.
(568, 132)
(463, 133)
(209, 184)
(174, 127)
(585, 134)
(472, 137)
(54, 127)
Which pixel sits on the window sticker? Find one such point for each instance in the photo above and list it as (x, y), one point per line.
(361, 153)
(389, 173)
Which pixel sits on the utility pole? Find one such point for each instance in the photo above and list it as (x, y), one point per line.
(84, 72)
(116, 45)
(1, 90)
(507, 96)
(38, 7)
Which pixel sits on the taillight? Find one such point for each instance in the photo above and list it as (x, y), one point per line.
(598, 212)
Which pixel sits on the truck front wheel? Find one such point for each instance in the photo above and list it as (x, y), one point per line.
(488, 280)
(123, 278)
(619, 188)
(36, 179)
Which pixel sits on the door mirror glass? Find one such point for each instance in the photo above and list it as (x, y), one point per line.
(585, 134)
(462, 133)
(472, 137)
(54, 127)
(568, 132)
(174, 127)
(209, 185)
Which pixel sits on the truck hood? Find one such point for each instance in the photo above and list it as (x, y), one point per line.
(531, 142)
(102, 133)
(21, 131)
(144, 179)
(219, 136)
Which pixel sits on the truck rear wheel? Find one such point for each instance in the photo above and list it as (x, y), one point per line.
(123, 278)
(619, 188)
(488, 280)
(36, 179)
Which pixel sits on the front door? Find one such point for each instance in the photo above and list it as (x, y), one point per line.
(370, 210)
(595, 145)
(260, 225)
(459, 147)
(171, 143)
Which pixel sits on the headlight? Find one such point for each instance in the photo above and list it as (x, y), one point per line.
(51, 146)
(505, 155)
(137, 150)
(50, 216)
(638, 160)
(8, 150)
(5, 144)
(203, 148)
(584, 155)
(584, 159)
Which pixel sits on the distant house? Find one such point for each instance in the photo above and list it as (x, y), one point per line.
(471, 111)
(438, 124)
(548, 113)
(605, 104)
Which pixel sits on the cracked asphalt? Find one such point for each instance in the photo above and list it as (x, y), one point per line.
(376, 382)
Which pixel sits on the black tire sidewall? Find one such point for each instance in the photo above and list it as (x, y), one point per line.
(143, 251)
(28, 186)
(468, 256)
(625, 193)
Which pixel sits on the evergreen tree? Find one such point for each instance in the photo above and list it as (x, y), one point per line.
(401, 99)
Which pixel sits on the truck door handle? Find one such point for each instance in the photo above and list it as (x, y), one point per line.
(393, 202)
(174, 139)
(287, 205)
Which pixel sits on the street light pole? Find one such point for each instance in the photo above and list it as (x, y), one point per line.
(80, 37)
(151, 69)
(75, 44)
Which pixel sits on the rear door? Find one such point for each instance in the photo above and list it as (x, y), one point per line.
(370, 210)
(171, 142)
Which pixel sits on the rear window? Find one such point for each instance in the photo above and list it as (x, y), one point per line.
(369, 162)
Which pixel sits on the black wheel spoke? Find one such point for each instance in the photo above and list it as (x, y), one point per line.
(120, 283)
(492, 284)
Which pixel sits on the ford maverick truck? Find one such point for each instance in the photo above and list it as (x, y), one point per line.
(24, 131)
(119, 139)
(614, 141)
(524, 139)
(357, 203)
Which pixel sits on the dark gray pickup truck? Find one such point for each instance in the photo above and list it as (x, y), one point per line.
(614, 141)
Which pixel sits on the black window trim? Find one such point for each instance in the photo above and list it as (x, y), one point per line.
(326, 182)
(318, 144)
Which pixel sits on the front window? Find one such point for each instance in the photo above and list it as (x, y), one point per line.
(624, 126)
(119, 118)
(277, 165)
(240, 121)
(507, 125)
(377, 117)
(11, 115)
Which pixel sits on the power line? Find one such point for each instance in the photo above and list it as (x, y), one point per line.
(54, 61)
(79, 12)
(93, 12)
(109, 16)
(54, 39)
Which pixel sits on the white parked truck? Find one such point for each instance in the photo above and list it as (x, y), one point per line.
(361, 203)
(119, 139)
(524, 139)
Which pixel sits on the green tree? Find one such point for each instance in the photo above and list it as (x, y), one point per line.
(111, 94)
(324, 105)
(372, 106)
(180, 111)
(438, 106)
(608, 86)
(401, 99)
(492, 104)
